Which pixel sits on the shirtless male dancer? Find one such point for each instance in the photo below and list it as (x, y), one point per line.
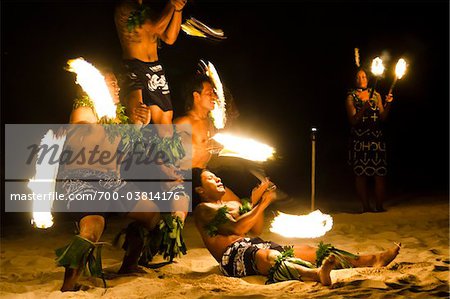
(144, 87)
(143, 82)
(200, 101)
(223, 226)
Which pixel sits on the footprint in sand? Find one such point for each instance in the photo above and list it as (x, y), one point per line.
(435, 251)
(407, 265)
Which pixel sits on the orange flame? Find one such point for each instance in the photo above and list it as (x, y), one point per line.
(44, 181)
(246, 148)
(400, 68)
(313, 225)
(377, 66)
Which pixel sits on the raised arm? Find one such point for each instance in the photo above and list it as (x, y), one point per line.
(160, 25)
(169, 36)
(258, 191)
(155, 24)
(257, 194)
(231, 226)
(206, 214)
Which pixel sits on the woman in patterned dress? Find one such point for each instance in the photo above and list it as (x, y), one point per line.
(367, 153)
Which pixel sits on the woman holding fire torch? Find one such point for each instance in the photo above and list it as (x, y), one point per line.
(367, 153)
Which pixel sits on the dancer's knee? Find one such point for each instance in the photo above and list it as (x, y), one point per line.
(265, 259)
(91, 227)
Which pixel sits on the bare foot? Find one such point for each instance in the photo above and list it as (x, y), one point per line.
(75, 288)
(324, 271)
(384, 258)
(130, 270)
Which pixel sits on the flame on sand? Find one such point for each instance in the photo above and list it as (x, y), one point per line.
(94, 84)
(313, 225)
(44, 180)
(377, 66)
(400, 68)
(246, 148)
(219, 112)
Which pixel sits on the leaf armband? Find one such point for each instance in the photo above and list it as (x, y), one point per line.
(246, 206)
(212, 228)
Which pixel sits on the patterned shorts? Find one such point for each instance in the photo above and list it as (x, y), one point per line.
(239, 257)
(82, 182)
(148, 77)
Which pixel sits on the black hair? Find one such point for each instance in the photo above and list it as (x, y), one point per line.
(361, 69)
(196, 182)
(195, 85)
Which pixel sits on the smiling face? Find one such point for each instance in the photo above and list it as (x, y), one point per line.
(206, 98)
(212, 187)
(361, 79)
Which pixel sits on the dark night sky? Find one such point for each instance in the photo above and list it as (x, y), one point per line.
(287, 63)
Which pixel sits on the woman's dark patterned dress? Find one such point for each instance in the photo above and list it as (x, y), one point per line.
(367, 152)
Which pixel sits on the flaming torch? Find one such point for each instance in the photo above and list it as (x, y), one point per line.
(400, 70)
(377, 71)
(245, 148)
(313, 225)
(44, 180)
(94, 84)
(194, 27)
(219, 112)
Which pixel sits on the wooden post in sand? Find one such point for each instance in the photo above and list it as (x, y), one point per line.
(313, 166)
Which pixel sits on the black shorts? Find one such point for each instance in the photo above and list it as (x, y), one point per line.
(148, 77)
(239, 257)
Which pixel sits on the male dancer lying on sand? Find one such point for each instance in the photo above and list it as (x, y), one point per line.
(223, 225)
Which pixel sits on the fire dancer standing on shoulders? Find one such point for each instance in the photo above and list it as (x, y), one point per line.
(140, 30)
(223, 225)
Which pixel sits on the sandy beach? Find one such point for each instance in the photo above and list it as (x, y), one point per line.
(421, 270)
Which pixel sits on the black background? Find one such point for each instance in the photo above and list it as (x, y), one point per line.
(288, 65)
